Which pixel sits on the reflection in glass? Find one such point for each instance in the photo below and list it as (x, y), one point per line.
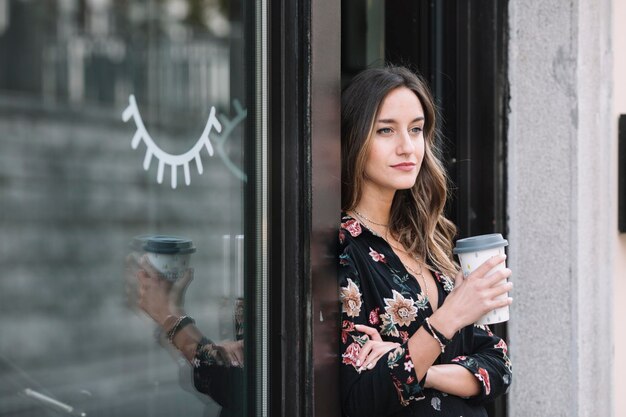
(74, 192)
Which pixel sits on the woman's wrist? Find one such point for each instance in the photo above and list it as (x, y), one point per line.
(431, 375)
(446, 323)
(167, 318)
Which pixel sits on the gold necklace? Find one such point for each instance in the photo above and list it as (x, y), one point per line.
(361, 215)
(413, 271)
(417, 275)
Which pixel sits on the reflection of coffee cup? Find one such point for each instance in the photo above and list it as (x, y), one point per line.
(473, 252)
(170, 255)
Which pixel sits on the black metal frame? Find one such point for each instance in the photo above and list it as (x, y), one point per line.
(621, 220)
(303, 217)
(250, 203)
(289, 226)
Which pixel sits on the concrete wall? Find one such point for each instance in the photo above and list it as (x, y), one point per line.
(619, 275)
(560, 204)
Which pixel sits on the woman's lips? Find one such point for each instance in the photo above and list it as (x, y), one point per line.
(404, 166)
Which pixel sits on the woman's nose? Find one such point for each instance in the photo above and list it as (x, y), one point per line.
(406, 144)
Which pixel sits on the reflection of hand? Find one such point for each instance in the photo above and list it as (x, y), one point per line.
(158, 297)
(231, 352)
(373, 349)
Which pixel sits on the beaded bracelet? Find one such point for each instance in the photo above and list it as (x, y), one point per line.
(178, 326)
(440, 338)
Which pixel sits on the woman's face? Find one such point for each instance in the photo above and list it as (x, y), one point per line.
(397, 144)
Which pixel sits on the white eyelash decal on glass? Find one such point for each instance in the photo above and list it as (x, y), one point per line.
(164, 158)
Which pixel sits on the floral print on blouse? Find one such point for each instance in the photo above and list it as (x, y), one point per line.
(376, 290)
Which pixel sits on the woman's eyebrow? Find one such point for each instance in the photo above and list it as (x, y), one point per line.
(417, 119)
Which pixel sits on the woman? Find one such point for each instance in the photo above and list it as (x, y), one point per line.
(409, 346)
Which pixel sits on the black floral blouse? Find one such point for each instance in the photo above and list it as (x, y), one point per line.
(376, 290)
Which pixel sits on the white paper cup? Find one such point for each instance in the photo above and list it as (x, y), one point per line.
(472, 253)
(170, 255)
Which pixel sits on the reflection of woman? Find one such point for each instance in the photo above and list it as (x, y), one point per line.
(217, 368)
(409, 346)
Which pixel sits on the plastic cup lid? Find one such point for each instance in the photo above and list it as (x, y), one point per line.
(163, 244)
(478, 243)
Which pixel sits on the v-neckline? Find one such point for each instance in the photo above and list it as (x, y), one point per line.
(404, 268)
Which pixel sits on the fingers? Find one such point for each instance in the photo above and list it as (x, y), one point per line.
(182, 283)
(496, 277)
(239, 353)
(375, 350)
(370, 331)
(132, 260)
(151, 284)
(363, 354)
(187, 276)
(235, 360)
(145, 264)
(459, 278)
(230, 353)
(143, 277)
(488, 265)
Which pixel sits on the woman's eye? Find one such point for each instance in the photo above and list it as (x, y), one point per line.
(417, 129)
(384, 131)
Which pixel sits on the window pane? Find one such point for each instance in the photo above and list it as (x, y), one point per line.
(120, 119)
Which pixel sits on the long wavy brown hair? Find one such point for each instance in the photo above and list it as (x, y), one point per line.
(417, 218)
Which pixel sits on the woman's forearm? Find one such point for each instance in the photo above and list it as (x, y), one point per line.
(452, 379)
(423, 347)
(186, 341)
(424, 350)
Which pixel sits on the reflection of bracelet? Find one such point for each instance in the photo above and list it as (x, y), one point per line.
(178, 326)
(440, 338)
(160, 333)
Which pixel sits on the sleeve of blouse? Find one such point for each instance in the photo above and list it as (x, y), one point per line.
(212, 377)
(392, 384)
(489, 363)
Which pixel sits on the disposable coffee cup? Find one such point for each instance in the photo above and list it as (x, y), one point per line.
(170, 255)
(472, 253)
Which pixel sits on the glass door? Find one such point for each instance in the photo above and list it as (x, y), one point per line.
(128, 132)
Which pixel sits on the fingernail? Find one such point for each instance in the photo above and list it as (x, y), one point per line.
(370, 365)
(358, 362)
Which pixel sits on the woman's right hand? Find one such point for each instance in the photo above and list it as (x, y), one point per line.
(373, 349)
(473, 296)
(157, 296)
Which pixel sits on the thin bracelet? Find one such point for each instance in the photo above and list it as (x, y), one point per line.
(178, 326)
(440, 335)
(160, 333)
(431, 330)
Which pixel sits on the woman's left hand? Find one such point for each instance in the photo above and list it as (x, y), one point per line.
(373, 349)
